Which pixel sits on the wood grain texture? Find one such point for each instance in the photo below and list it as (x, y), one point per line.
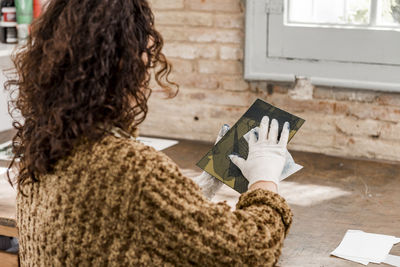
(328, 197)
(8, 231)
(8, 260)
(370, 202)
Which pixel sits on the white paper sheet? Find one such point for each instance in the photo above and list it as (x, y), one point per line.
(355, 259)
(157, 143)
(5, 153)
(364, 247)
(3, 170)
(392, 260)
(6, 144)
(358, 260)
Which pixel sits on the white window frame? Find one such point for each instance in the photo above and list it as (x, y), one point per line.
(278, 51)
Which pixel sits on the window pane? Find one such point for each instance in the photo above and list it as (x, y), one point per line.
(330, 11)
(389, 13)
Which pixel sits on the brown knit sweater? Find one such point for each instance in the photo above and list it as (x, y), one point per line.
(120, 203)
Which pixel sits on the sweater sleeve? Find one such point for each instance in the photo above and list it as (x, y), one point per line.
(183, 228)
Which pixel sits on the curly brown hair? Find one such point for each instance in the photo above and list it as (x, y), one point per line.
(82, 66)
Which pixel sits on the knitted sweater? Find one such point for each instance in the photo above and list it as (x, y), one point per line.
(121, 203)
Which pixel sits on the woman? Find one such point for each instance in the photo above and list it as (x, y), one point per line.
(89, 194)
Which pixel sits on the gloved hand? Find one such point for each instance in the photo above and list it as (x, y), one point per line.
(290, 168)
(209, 184)
(267, 155)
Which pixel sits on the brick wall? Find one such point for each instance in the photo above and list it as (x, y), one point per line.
(204, 41)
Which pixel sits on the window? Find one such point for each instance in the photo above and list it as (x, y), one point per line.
(341, 43)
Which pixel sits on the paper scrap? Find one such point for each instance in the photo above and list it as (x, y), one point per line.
(5, 145)
(355, 259)
(3, 170)
(392, 260)
(358, 260)
(364, 247)
(157, 143)
(6, 151)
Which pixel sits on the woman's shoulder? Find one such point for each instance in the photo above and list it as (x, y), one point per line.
(116, 159)
(137, 156)
(129, 152)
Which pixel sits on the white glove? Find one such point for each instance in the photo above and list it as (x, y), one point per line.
(267, 155)
(209, 184)
(290, 168)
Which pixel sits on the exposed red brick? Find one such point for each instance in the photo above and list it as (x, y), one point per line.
(204, 40)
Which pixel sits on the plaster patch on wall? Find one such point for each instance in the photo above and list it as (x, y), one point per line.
(303, 90)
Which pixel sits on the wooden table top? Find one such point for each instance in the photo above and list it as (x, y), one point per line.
(328, 197)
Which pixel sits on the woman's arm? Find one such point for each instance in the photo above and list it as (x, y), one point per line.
(264, 185)
(179, 225)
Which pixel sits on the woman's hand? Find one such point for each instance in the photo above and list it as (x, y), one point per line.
(209, 184)
(266, 158)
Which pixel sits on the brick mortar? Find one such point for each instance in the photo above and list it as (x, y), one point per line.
(345, 119)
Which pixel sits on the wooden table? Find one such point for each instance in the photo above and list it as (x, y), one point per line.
(328, 197)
